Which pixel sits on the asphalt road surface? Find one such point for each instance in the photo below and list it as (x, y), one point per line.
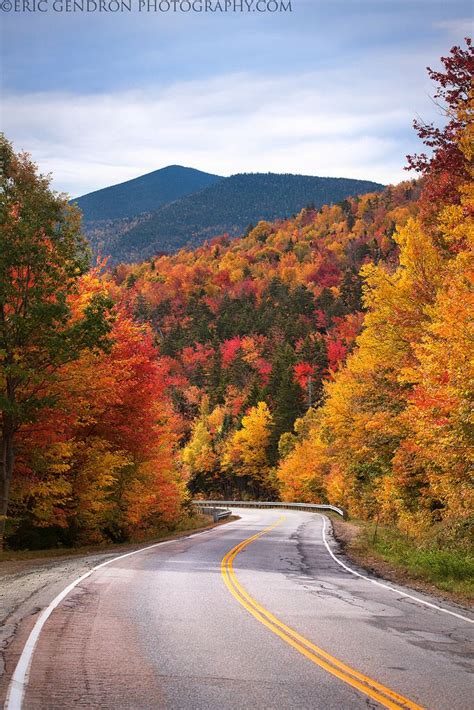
(253, 614)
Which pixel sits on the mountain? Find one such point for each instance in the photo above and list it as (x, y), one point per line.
(228, 205)
(143, 194)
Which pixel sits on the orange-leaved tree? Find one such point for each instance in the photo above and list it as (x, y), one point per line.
(101, 463)
(42, 256)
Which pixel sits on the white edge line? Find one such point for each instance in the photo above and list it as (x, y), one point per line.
(19, 679)
(387, 586)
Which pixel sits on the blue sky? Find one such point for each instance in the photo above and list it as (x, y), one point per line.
(328, 89)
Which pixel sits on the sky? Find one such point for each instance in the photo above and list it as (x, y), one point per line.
(330, 88)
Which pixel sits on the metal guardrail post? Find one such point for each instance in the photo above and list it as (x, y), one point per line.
(210, 508)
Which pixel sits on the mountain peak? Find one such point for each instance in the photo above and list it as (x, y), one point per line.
(145, 193)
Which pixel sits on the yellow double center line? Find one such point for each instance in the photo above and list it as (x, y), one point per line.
(366, 685)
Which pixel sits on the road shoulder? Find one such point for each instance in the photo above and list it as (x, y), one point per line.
(347, 535)
(29, 585)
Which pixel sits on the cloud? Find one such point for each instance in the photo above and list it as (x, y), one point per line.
(457, 28)
(351, 123)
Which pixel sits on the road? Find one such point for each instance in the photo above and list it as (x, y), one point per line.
(253, 614)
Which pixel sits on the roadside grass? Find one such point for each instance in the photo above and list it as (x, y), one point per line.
(187, 524)
(450, 570)
(408, 560)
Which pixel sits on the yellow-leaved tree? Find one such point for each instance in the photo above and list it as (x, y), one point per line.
(394, 436)
(245, 453)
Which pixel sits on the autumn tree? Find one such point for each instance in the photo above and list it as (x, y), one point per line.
(447, 166)
(305, 462)
(245, 453)
(199, 456)
(101, 463)
(42, 256)
(394, 435)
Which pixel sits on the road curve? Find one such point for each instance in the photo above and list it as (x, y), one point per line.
(254, 614)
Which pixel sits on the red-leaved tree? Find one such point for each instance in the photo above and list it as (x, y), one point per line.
(447, 167)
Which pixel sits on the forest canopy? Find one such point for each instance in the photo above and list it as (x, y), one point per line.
(322, 358)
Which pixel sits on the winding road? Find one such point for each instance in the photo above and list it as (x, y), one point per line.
(259, 613)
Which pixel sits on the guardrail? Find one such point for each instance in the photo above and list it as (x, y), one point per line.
(217, 513)
(310, 507)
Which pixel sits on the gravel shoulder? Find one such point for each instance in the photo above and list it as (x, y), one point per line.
(28, 586)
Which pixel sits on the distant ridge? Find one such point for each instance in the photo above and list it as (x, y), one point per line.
(137, 219)
(143, 194)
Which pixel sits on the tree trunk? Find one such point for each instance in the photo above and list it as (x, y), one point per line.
(6, 472)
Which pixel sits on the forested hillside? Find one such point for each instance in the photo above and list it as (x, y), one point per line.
(324, 357)
(260, 321)
(227, 206)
